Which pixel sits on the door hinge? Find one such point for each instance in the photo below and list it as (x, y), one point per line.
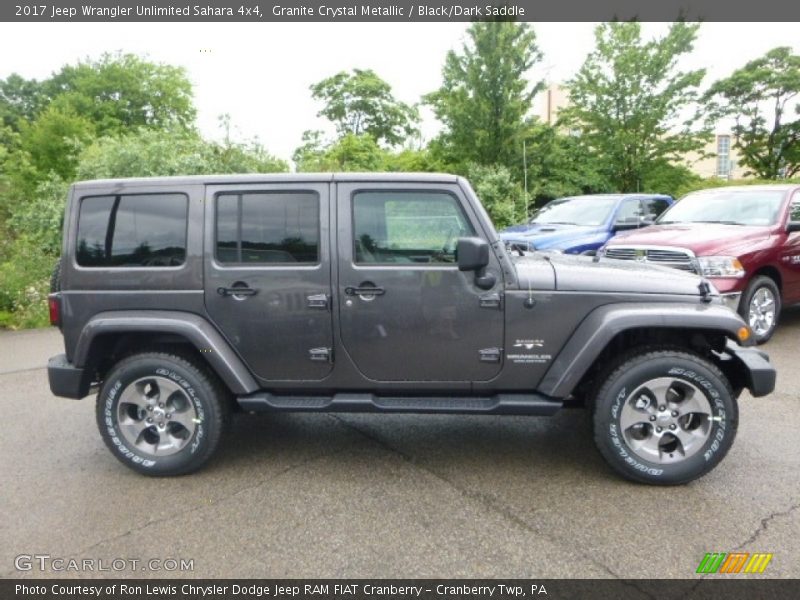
(491, 355)
(490, 301)
(320, 354)
(318, 301)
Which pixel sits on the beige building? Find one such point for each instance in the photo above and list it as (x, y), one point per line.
(721, 159)
(718, 159)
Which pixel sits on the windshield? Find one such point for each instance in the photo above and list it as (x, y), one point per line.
(728, 207)
(580, 210)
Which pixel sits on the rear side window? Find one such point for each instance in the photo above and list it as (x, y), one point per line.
(268, 228)
(136, 230)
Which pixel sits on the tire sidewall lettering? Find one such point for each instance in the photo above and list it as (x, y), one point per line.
(719, 426)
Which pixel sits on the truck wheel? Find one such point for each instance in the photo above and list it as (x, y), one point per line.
(160, 414)
(760, 307)
(664, 417)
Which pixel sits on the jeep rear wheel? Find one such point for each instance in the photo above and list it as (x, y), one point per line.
(664, 417)
(161, 414)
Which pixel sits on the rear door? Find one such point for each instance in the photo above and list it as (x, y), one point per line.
(406, 312)
(268, 278)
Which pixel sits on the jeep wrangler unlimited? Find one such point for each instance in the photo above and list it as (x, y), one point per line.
(182, 299)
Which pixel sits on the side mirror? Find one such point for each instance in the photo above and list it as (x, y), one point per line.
(646, 221)
(792, 226)
(472, 254)
(626, 225)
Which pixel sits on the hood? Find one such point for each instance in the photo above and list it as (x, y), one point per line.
(583, 273)
(545, 235)
(703, 239)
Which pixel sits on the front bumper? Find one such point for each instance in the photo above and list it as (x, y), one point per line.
(67, 380)
(751, 368)
(731, 300)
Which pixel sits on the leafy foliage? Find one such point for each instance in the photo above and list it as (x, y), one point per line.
(631, 104)
(485, 96)
(500, 194)
(762, 97)
(362, 103)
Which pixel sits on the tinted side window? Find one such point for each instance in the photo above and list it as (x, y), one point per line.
(268, 227)
(653, 207)
(144, 230)
(629, 212)
(407, 227)
(794, 208)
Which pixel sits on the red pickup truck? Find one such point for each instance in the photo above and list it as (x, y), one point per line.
(744, 239)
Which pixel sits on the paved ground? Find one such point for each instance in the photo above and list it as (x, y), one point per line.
(381, 496)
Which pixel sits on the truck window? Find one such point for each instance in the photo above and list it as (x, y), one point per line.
(268, 228)
(137, 230)
(407, 227)
(652, 207)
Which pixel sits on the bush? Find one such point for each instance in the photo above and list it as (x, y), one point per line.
(24, 284)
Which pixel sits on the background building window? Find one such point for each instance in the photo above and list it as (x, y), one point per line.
(723, 156)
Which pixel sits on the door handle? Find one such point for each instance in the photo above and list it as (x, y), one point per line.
(364, 291)
(236, 291)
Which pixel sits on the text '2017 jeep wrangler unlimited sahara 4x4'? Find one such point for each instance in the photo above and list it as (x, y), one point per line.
(184, 298)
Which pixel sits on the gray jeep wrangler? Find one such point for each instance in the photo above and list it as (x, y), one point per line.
(183, 299)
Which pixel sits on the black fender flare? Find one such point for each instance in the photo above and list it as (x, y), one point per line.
(601, 325)
(195, 329)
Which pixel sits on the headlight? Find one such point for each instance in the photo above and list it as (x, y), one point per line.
(720, 266)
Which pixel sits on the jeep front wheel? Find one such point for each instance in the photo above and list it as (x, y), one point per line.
(161, 414)
(664, 417)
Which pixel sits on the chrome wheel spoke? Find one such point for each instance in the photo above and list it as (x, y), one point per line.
(693, 402)
(687, 440)
(135, 394)
(185, 419)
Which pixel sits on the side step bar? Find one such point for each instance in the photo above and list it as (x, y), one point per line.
(499, 404)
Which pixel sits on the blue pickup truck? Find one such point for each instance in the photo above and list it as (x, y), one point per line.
(582, 224)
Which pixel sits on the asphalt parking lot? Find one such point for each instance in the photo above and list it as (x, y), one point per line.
(389, 496)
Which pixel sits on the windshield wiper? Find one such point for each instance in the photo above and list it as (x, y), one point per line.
(555, 223)
(720, 222)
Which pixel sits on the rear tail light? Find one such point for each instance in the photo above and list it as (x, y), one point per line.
(54, 303)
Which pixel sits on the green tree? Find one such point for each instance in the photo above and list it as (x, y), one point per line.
(560, 165)
(120, 92)
(762, 97)
(631, 104)
(499, 193)
(485, 96)
(54, 140)
(20, 100)
(147, 153)
(362, 103)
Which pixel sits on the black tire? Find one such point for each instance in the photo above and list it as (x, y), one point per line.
(195, 388)
(624, 391)
(761, 282)
(55, 278)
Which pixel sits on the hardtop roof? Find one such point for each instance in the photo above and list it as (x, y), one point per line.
(269, 178)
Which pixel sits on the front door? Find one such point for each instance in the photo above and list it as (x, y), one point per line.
(406, 312)
(268, 278)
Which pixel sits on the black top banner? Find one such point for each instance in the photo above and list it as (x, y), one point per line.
(398, 10)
